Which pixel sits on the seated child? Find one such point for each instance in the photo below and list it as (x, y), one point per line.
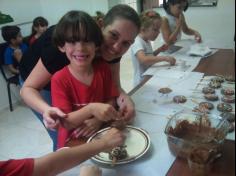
(84, 89)
(142, 53)
(15, 49)
(174, 22)
(39, 26)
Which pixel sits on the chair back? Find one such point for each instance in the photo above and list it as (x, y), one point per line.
(3, 47)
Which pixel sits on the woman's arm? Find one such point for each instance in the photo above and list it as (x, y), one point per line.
(65, 159)
(124, 101)
(30, 92)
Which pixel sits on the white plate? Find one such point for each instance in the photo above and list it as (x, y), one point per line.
(137, 142)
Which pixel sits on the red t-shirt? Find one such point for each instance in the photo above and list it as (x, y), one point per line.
(23, 167)
(68, 92)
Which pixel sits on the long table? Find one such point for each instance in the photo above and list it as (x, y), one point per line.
(221, 63)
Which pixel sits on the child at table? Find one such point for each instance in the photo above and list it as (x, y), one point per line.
(40, 25)
(142, 53)
(84, 89)
(13, 53)
(174, 22)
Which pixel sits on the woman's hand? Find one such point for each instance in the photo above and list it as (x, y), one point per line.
(90, 170)
(52, 116)
(126, 107)
(103, 112)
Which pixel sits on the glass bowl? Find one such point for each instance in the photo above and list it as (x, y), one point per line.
(188, 130)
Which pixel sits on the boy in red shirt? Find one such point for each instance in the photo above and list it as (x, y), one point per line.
(84, 89)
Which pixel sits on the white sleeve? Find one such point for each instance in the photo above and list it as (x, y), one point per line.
(137, 46)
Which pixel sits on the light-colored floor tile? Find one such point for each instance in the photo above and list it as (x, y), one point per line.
(22, 134)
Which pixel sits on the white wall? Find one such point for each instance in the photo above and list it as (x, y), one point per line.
(53, 10)
(216, 24)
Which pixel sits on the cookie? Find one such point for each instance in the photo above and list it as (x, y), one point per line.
(230, 78)
(230, 117)
(224, 107)
(164, 90)
(211, 97)
(215, 84)
(179, 99)
(206, 105)
(218, 79)
(208, 90)
(227, 91)
(228, 99)
(231, 127)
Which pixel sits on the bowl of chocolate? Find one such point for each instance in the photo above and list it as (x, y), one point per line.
(187, 130)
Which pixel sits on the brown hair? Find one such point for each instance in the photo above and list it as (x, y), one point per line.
(77, 26)
(148, 17)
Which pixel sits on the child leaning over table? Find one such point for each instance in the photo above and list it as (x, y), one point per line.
(142, 53)
(15, 49)
(84, 89)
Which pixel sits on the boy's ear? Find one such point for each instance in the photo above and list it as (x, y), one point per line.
(62, 49)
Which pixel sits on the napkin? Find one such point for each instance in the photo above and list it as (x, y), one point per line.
(199, 50)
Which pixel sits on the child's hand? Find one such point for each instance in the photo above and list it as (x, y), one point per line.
(197, 37)
(103, 112)
(163, 48)
(112, 138)
(90, 170)
(180, 20)
(171, 60)
(51, 117)
(89, 128)
(17, 54)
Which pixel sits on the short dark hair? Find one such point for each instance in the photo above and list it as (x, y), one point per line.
(124, 12)
(77, 26)
(10, 32)
(166, 4)
(39, 21)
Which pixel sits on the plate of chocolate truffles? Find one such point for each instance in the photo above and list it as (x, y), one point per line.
(137, 143)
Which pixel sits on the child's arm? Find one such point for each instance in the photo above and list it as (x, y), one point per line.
(168, 36)
(150, 60)
(64, 159)
(101, 111)
(13, 69)
(187, 30)
(161, 49)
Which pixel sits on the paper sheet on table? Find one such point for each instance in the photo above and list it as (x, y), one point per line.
(148, 99)
(184, 63)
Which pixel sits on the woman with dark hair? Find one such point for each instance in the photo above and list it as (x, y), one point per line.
(117, 40)
(174, 22)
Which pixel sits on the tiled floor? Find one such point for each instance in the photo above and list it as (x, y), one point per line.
(23, 135)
